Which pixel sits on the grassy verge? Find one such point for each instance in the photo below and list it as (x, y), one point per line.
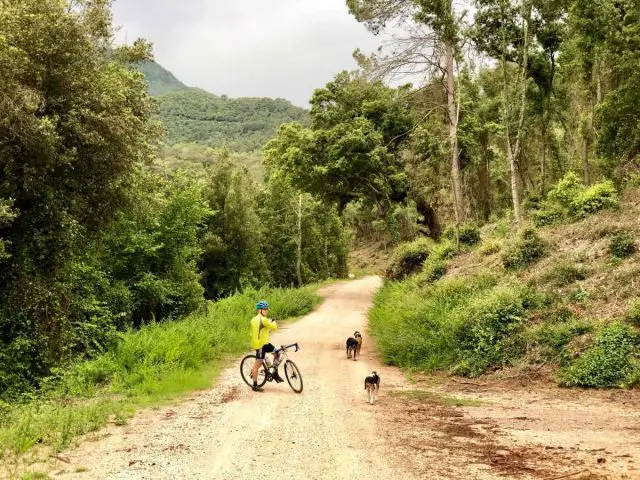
(148, 366)
(562, 296)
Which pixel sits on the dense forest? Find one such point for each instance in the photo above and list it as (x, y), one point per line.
(97, 235)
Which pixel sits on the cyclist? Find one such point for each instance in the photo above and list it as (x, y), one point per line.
(260, 327)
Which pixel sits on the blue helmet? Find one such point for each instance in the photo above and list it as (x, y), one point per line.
(262, 304)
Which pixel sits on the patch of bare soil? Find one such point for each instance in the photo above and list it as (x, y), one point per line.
(518, 429)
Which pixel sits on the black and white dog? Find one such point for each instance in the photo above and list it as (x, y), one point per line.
(353, 345)
(372, 386)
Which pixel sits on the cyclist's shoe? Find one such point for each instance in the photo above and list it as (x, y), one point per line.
(277, 377)
(256, 388)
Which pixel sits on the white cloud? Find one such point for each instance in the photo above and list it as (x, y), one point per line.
(270, 48)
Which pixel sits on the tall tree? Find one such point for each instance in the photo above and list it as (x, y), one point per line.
(437, 48)
(503, 30)
(352, 149)
(75, 124)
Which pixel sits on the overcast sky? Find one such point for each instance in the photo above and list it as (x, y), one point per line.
(248, 48)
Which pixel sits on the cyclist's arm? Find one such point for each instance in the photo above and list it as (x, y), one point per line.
(270, 324)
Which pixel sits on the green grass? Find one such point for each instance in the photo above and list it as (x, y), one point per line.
(461, 324)
(147, 367)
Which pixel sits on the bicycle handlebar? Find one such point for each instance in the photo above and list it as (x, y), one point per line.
(286, 347)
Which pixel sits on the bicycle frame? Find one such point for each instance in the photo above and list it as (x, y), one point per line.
(283, 355)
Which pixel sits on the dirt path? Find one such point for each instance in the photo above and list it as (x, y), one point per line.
(417, 430)
(230, 432)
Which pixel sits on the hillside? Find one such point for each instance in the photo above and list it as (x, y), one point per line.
(195, 116)
(160, 80)
(240, 124)
(559, 301)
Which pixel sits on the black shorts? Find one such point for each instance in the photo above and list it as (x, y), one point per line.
(260, 353)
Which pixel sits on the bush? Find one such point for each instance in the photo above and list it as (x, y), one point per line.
(599, 196)
(570, 197)
(553, 338)
(525, 251)
(622, 245)
(633, 313)
(563, 273)
(490, 247)
(444, 251)
(408, 259)
(550, 215)
(433, 270)
(490, 323)
(469, 234)
(608, 363)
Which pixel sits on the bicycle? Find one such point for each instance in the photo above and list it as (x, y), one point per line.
(291, 370)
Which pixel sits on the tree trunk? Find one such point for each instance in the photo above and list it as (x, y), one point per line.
(484, 187)
(299, 252)
(514, 152)
(456, 178)
(585, 157)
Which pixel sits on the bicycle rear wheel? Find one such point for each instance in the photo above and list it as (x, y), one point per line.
(246, 365)
(294, 377)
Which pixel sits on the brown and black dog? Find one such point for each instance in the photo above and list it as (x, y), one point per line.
(354, 344)
(372, 386)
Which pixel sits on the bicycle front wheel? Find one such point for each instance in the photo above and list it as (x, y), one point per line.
(246, 365)
(294, 377)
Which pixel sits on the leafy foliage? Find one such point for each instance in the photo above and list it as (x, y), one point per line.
(408, 259)
(622, 244)
(609, 362)
(633, 313)
(350, 152)
(192, 115)
(488, 326)
(524, 251)
(77, 125)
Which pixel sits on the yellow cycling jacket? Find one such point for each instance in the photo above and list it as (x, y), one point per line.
(260, 327)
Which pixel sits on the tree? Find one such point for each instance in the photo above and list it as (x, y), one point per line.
(436, 49)
(503, 31)
(75, 123)
(352, 148)
(232, 242)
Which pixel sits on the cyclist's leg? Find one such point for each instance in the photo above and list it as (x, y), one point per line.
(269, 348)
(256, 366)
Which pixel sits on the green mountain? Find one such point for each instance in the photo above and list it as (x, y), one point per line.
(160, 80)
(192, 115)
(240, 124)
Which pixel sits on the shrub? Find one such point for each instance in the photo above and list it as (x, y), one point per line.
(633, 313)
(444, 251)
(415, 326)
(608, 362)
(525, 251)
(553, 338)
(408, 259)
(599, 196)
(550, 215)
(566, 190)
(564, 272)
(433, 270)
(469, 233)
(490, 247)
(483, 335)
(622, 245)
(571, 197)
